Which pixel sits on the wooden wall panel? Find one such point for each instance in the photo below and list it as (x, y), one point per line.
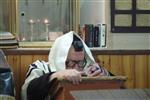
(100, 60)
(141, 71)
(106, 64)
(116, 64)
(20, 64)
(128, 70)
(135, 67)
(104, 60)
(40, 57)
(14, 62)
(26, 60)
(148, 73)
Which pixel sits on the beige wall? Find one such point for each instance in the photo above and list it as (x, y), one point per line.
(114, 40)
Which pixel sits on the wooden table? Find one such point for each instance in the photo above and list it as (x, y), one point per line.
(112, 94)
(63, 89)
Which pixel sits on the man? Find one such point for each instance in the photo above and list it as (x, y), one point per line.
(69, 59)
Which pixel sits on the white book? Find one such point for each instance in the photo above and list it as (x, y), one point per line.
(102, 34)
(6, 35)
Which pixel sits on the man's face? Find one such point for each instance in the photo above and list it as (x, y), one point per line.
(75, 59)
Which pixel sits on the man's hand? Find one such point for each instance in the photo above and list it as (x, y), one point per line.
(72, 75)
(95, 70)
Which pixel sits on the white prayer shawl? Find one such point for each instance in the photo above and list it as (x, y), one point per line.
(60, 49)
(57, 57)
(42, 66)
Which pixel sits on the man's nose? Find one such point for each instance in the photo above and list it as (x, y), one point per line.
(76, 66)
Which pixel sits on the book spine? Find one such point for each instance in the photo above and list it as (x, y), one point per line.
(96, 37)
(91, 35)
(102, 35)
(86, 28)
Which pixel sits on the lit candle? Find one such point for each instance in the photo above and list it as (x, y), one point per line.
(46, 25)
(23, 39)
(46, 21)
(31, 22)
(38, 22)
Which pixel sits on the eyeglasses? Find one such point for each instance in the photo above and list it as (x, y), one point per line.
(72, 63)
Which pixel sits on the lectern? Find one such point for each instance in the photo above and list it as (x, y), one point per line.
(63, 88)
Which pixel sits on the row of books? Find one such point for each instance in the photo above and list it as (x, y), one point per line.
(8, 40)
(94, 35)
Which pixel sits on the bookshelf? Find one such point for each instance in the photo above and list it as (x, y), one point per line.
(36, 44)
(94, 36)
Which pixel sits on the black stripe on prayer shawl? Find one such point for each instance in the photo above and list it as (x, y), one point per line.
(46, 67)
(43, 64)
(49, 69)
(29, 72)
(34, 66)
(43, 72)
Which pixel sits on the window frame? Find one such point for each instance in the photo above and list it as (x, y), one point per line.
(128, 29)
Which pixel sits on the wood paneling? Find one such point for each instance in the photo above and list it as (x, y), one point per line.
(116, 64)
(20, 64)
(128, 70)
(104, 60)
(26, 60)
(141, 71)
(148, 73)
(14, 62)
(136, 67)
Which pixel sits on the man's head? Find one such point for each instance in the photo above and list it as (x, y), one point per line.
(76, 55)
(77, 44)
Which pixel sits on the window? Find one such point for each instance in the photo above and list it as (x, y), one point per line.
(39, 18)
(130, 16)
(32, 20)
